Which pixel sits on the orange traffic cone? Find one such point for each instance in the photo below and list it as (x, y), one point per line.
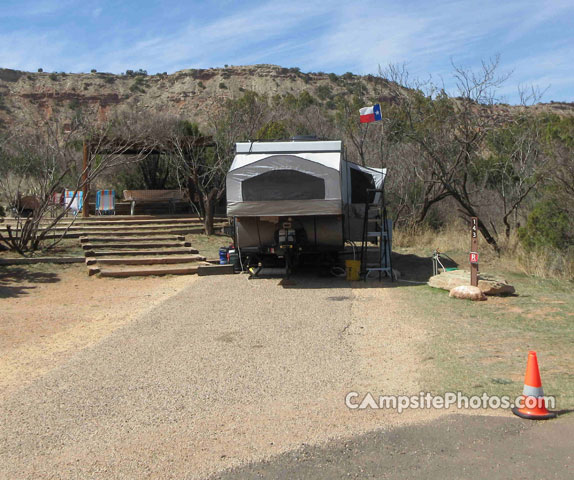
(533, 404)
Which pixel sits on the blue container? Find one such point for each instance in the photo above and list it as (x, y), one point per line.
(223, 255)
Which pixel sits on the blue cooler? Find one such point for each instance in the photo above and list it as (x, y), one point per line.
(223, 255)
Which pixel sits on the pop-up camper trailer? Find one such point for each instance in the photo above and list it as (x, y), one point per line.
(297, 197)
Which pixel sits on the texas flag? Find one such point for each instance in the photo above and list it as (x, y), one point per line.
(371, 114)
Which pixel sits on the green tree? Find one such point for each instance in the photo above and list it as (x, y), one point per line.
(450, 132)
(548, 225)
(274, 130)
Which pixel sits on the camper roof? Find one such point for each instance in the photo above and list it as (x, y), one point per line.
(289, 147)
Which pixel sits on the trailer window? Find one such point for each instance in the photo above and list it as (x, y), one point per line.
(283, 185)
(360, 182)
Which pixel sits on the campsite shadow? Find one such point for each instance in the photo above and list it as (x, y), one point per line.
(413, 271)
(17, 281)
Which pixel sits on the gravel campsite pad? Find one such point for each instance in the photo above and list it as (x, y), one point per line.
(225, 371)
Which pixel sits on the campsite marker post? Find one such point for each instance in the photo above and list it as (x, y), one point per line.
(474, 252)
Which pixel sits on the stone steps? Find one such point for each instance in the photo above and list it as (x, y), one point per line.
(129, 228)
(146, 260)
(115, 221)
(135, 245)
(139, 246)
(147, 238)
(75, 231)
(57, 233)
(125, 219)
(164, 251)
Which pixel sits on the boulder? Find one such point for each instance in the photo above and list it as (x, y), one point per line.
(494, 285)
(467, 292)
(488, 284)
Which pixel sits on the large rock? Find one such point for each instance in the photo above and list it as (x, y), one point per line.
(467, 292)
(488, 284)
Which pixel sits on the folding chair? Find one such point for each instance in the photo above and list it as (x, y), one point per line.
(56, 203)
(106, 202)
(74, 203)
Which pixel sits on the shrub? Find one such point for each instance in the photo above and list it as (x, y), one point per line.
(74, 104)
(324, 92)
(305, 100)
(222, 85)
(138, 85)
(548, 225)
(40, 70)
(272, 131)
(333, 77)
(93, 70)
(53, 77)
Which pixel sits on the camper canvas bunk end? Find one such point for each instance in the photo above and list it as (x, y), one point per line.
(288, 199)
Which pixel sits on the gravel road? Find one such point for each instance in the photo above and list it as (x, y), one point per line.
(226, 371)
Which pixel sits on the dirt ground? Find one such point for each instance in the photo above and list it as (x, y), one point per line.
(50, 312)
(185, 377)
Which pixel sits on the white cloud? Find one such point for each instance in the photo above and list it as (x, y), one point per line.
(335, 36)
(23, 9)
(28, 50)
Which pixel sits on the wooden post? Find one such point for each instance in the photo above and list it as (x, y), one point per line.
(85, 185)
(474, 252)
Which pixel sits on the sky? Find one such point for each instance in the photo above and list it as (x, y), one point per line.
(535, 39)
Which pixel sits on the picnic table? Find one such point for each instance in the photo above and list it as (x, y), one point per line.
(171, 197)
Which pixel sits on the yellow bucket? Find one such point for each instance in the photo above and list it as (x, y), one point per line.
(353, 268)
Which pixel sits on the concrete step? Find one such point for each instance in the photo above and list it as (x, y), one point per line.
(190, 269)
(135, 244)
(149, 252)
(146, 238)
(145, 260)
(209, 269)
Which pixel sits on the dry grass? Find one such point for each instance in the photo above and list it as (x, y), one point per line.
(209, 246)
(454, 240)
(482, 346)
(546, 263)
